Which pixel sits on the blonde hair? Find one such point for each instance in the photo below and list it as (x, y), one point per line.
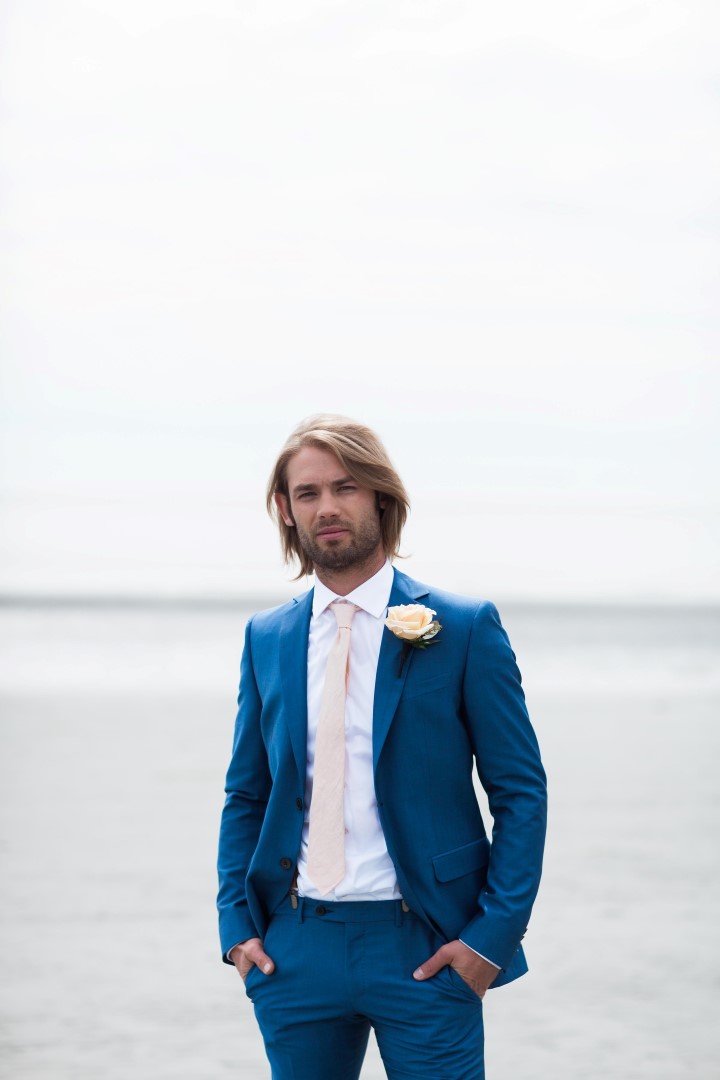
(365, 459)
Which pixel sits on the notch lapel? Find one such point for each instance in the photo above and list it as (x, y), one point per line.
(390, 680)
(293, 672)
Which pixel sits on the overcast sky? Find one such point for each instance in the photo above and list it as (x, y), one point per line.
(489, 230)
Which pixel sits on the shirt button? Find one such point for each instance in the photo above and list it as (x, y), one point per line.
(285, 863)
(299, 804)
(321, 910)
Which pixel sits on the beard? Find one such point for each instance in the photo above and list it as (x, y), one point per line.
(363, 543)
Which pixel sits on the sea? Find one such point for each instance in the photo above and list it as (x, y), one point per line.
(116, 727)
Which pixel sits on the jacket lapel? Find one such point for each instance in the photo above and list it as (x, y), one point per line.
(293, 667)
(390, 678)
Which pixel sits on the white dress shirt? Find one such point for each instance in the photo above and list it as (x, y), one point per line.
(369, 872)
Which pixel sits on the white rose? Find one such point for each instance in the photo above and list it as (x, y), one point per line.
(412, 622)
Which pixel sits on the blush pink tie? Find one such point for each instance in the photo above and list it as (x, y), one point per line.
(326, 839)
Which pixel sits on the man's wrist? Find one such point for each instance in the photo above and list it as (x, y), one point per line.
(485, 958)
(228, 955)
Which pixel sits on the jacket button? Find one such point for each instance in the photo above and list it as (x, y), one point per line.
(298, 803)
(321, 910)
(286, 863)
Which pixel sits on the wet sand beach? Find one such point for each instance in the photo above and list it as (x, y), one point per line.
(115, 735)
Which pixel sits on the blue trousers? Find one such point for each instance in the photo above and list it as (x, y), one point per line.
(342, 968)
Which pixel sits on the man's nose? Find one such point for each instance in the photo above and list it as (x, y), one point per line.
(327, 504)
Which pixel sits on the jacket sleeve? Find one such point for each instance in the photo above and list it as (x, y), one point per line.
(247, 790)
(511, 772)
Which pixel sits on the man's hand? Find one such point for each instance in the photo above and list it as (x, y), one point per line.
(477, 972)
(248, 954)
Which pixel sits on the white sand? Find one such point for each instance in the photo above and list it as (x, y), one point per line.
(116, 730)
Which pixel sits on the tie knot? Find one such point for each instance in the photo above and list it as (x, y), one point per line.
(343, 612)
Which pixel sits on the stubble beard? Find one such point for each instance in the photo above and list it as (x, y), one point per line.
(364, 542)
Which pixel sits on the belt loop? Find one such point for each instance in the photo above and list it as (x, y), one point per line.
(399, 908)
(300, 908)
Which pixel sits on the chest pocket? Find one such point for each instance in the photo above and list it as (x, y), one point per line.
(415, 688)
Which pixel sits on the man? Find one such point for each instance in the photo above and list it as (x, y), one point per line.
(357, 886)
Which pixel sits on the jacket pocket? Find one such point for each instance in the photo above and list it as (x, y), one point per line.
(420, 687)
(462, 860)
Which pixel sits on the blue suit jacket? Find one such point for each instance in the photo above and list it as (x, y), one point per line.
(456, 702)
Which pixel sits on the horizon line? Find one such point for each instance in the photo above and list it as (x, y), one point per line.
(255, 601)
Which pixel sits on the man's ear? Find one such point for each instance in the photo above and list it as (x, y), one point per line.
(283, 506)
(381, 501)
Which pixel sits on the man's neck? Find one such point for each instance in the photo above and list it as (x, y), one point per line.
(342, 582)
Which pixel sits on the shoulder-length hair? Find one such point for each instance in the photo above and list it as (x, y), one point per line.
(365, 459)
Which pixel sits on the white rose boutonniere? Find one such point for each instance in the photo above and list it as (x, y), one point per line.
(413, 624)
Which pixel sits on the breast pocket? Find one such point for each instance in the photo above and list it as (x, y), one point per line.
(437, 684)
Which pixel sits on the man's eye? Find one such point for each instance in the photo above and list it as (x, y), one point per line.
(306, 495)
(346, 487)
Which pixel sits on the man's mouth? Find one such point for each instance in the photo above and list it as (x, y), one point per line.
(332, 532)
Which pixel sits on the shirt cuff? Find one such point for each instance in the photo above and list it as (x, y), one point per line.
(485, 958)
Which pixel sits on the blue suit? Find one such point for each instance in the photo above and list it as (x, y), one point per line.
(436, 711)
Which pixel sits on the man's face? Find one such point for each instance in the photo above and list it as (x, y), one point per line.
(337, 520)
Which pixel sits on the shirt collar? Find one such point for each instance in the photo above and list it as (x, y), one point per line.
(372, 596)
